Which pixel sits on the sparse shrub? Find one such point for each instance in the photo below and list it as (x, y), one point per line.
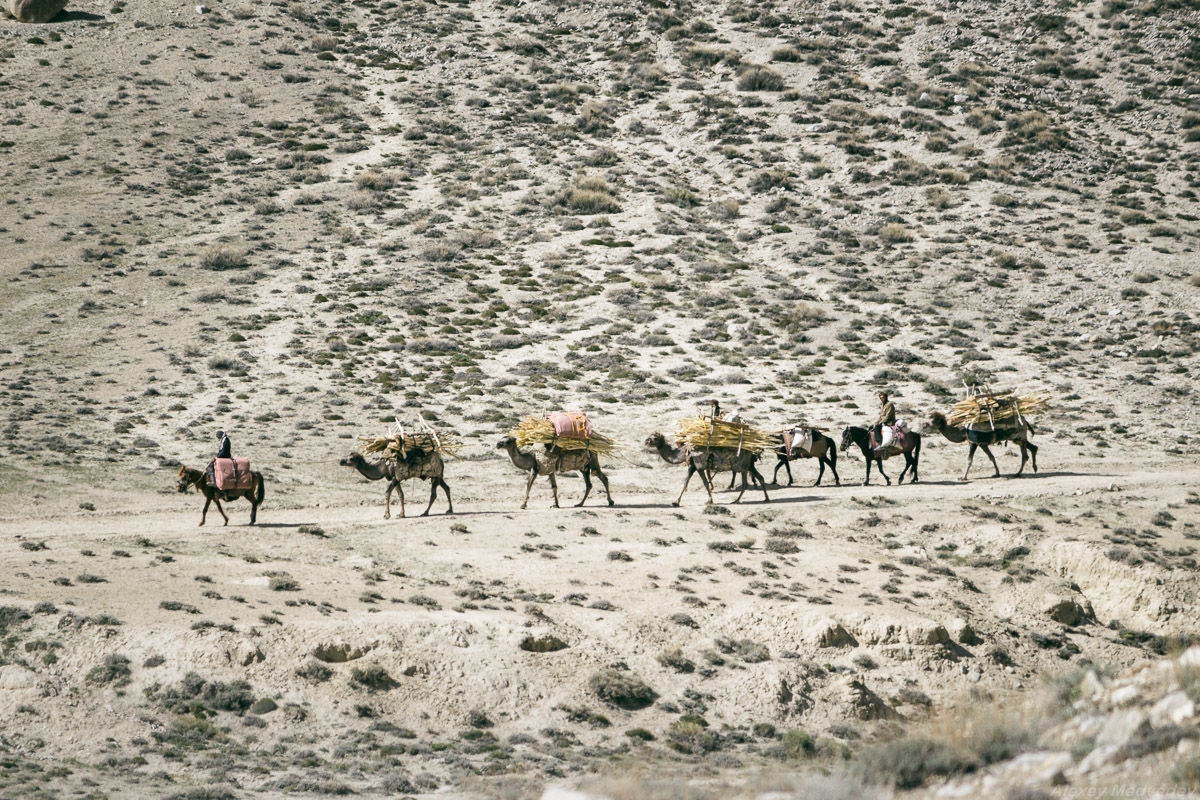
(114, 670)
(908, 761)
(282, 582)
(373, 679)
(640, 735)
(195, 695)
(895, 233)
(757, 78)
(798, 744)
(221, 257)
(315, 671)
(676, 660)
(622, 689)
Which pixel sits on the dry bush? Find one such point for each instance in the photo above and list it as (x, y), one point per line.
(895, 233)
(757, 78)
(375, 181)
(224, 256)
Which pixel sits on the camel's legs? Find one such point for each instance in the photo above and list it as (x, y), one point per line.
(446, 489)
(587, 485)
(433, 484)
(604, 482)
(987, 451)
(528, 484)
(691, 469)
(738, 499)
(204, 513)
(786, 464)
(970, 458)
(387, 499)
(1032, 454)
(762, 482)
(554, 488)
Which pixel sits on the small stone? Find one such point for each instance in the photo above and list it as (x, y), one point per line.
(1124, 696)
(202, 9)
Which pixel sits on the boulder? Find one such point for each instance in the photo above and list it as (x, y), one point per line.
(832, 634)
(1175, 708)
(35, 10)
(1067, 610)
(866, 705)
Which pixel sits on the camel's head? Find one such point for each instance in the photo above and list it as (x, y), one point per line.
(655, 440)
(184, 480)
(505, 443)
(352, 460)
(937, 419)
(847, 438)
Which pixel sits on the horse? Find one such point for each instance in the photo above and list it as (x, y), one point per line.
(189, 477)
(862, 438)
(823, 448)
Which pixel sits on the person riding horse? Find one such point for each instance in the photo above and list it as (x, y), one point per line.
(224, 450)
(887, 418)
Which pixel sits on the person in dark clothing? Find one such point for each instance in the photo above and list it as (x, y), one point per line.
(224, 450)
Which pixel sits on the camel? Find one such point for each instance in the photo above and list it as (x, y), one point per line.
(189, 477)
(1018, 435)
(861, 437)
(549, 461)
(417, 464)
(709, 460)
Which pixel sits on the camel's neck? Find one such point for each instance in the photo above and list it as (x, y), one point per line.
(672, 455)
(519, 459)
(952, 433)
(370, 470)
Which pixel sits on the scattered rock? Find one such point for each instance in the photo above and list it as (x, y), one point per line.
(14, 676)
(834, 635)
(866, 705)
(1176, 707)
(1122, 726)
(264, 706)
(1067, 610)
(37, 11)
(961, 631)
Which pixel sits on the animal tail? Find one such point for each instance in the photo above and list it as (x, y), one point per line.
(262, 490)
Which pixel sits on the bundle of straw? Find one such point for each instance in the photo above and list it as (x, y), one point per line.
(706, 432)
(401, 441)
(996, 408)
(539, 430)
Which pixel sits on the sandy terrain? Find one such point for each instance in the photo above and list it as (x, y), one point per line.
(298, 222)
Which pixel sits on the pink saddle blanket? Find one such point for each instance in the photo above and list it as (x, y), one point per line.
(571, 425)
(232, 473)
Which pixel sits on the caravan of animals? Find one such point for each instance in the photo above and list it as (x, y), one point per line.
(711, 443)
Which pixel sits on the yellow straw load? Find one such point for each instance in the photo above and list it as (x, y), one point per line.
(704, 432)
(996, 408)
(399, 442)
(539, 430)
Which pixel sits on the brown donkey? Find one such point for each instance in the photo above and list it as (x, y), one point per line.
(189, 477)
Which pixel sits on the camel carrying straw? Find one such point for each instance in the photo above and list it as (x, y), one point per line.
(540, 430)
(706, 432)
(993, 408)
(399, 441)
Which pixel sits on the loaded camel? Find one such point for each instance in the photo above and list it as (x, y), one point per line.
(416, 464)
(707, 461)
(189, 477)
(862, 438)
(1017, 434)
(549, 461)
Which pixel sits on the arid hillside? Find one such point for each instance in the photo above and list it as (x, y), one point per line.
(298, 222)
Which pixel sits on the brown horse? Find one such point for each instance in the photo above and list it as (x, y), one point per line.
(196, 477)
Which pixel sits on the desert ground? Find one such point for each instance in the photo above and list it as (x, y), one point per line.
(299, 222)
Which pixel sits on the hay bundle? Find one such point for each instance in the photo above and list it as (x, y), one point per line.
(997, 408)
(400, 441)
(705, 432)
(538, 430)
